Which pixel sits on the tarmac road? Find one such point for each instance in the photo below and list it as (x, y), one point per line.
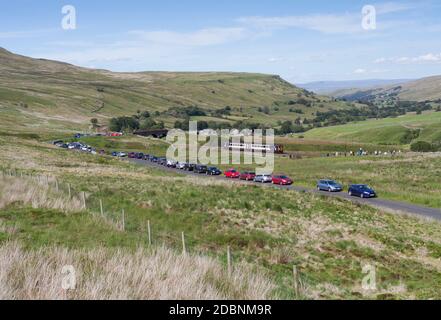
(386, 205)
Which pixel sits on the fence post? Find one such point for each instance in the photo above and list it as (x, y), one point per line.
(296, 281)
(69, 190)
(56, 185)
(229, 261)
(149, 231)
(184, 250)
(123, 224)
(101, 208)
(83, 196)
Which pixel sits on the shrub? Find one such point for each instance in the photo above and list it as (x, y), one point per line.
(422, 146)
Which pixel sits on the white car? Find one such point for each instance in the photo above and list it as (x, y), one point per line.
(181, 165)
(122, 154)
(171, 163)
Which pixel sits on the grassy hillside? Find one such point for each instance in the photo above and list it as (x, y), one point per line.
(269, 230)
(389, 131)
(56, 95)
(425, 89)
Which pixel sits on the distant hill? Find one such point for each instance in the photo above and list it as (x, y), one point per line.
(38, 92)
(329, 87)
(425, 89)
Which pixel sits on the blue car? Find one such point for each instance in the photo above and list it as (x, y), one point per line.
(329, 185)
(362, 191)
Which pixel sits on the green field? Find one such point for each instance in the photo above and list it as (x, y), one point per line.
(390, 131)
(329, 240)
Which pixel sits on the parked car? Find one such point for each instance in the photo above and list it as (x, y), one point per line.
(282, 180)
(57, 142)
(190, 167)
(247, 176)
(263, 178)
(329, 185)
(171, 163)
(213, 171)
(154, 159)
(114, 154)
(146, 157)
(362, 191)
(181, 165)
(132, 155)
(200, 169)
(140, 156)
(232, 174)
(122, 154)
(162, 161)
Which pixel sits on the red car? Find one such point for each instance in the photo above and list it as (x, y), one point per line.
(248, 176)
(282, 180)
(232, 174)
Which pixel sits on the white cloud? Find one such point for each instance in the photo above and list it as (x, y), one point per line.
(25, 34)
(426, 58)
(360, 71)
(325, 23)
(392, 7)
(203, 37)
(347, 23)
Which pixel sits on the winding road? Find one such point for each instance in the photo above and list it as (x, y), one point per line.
(386, 205)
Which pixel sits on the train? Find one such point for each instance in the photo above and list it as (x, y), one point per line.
(264, 148)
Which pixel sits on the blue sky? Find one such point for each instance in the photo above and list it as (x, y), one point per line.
(300, 40)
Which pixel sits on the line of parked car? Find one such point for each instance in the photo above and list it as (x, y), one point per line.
(357, 190)
(75, 146)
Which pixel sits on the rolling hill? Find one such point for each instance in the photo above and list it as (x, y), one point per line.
(38, 92)
(334, 87)
(425, 89)
(401, 130)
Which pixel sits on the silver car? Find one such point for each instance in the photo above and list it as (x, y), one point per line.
(329, 185)
(263, 178)
(181, 165)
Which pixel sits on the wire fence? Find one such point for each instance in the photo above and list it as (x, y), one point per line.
(120, 220)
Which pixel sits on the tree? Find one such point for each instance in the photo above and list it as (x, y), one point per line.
(202, 125)
(422, 146)
(145, 115)
(123, 123)
(148, 124)
(94, 122)
(286, 127)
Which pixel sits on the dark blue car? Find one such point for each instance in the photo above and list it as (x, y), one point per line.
(362, 191)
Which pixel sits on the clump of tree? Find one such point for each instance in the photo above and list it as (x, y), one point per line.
(222, 112)
(410, 135)
(94, 122)
(150, 124)
(185, 112)
(422, 146)
(121, 124)
(288, 127)
(265, 110)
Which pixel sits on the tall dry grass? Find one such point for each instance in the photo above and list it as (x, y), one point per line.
(37, 192)
(103, 274)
